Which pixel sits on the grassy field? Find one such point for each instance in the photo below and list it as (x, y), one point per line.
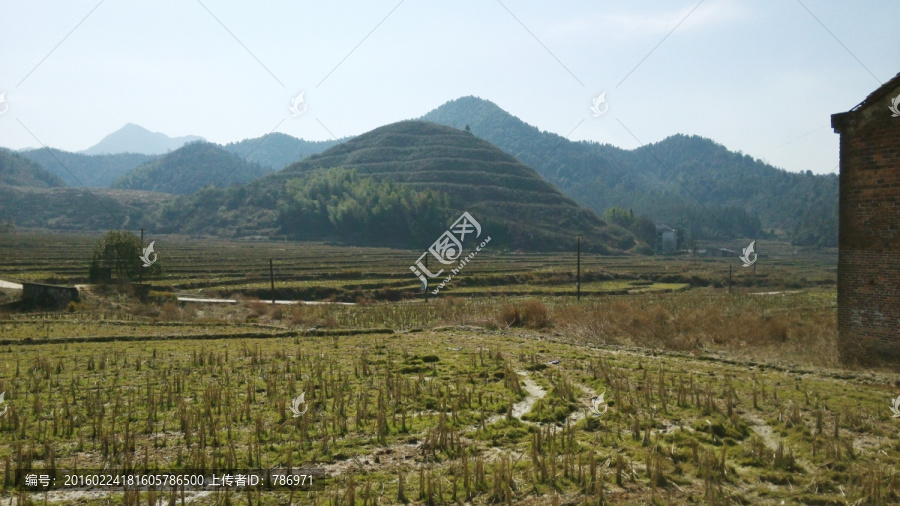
(484, 395)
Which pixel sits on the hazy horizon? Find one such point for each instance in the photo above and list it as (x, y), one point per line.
(762, 79)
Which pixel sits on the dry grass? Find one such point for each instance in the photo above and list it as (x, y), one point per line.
(530, 313)
(791, 328)
(799, 328)
(311, 316)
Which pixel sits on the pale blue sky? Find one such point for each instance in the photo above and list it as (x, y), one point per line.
(762, 77)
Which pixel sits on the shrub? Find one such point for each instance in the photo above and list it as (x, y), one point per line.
(171, 311)
(147, 310)
(118, 253)
(777, 328)
(643, 249)
(535, 314)
(258, 308)
(531, 313)
(509, 315)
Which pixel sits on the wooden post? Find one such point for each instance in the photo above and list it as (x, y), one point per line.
(754, 262)
(272, 280)
(578, 273)
(729, 279)
(141, 272)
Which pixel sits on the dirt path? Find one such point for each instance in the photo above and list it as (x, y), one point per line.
(402, 452)
(762, 429)
(389, 457)
(534, 392)
(9, 285)
(282, 302)
(576, 416)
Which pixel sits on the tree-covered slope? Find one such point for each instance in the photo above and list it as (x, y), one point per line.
(684, 181)
(801, 206)
(16, 170)
(190, 168)
(84, 209)
(93, 171)
(276, 150)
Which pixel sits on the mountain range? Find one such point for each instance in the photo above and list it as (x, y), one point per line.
(92, 171)
(17, 170)
(190, 168)
(273, 151)
(399, 185)
(683, 181)
(277, 150)
(133, 138)
(687, 182)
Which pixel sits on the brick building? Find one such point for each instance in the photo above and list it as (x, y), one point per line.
(869, 257)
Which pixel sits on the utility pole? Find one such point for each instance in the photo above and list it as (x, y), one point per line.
(272, 280)
(578, 272)
(729, 279)
(141, 272)
(754, 263)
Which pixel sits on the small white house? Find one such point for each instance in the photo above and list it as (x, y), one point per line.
(666, 239)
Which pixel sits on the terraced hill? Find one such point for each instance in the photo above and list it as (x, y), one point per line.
(518, 208)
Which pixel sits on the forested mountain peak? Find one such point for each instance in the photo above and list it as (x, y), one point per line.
(133, 138)
(277, 150)
(190, 168)
(686, 181)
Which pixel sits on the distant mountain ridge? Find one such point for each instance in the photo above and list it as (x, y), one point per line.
(16, 170)
(189, 168)
(133, 138)
(93, 171)
(277, 150)
(273, 151)
(684, 181)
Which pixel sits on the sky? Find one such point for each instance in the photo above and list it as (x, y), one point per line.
(759, 77)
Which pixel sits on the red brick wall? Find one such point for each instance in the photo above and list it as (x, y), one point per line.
(869, 258)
